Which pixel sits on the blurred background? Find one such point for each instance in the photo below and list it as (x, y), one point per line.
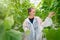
(13, 13)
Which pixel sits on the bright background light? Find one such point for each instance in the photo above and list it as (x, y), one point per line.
(35, 2)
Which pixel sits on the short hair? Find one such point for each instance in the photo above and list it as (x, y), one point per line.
(29, 9)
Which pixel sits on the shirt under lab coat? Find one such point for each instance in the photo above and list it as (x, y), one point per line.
(35, 28)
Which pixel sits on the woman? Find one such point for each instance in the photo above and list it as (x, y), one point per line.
(35, 25)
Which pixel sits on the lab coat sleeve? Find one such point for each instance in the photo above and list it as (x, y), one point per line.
(25, 26)
(46, 23)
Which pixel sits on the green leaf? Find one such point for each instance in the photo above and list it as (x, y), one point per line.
(14, 35)
(27, 32)
(8, 22)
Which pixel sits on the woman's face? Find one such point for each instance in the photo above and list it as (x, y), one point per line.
(32, 13)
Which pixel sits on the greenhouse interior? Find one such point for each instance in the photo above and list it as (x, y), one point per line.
(17, 15)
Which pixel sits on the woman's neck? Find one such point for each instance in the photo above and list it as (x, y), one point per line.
(30, 17)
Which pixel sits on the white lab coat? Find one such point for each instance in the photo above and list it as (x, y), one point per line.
(35, 28)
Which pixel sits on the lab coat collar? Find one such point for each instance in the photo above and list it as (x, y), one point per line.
(29, 21)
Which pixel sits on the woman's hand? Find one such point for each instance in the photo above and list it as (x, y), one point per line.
(51, 14)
